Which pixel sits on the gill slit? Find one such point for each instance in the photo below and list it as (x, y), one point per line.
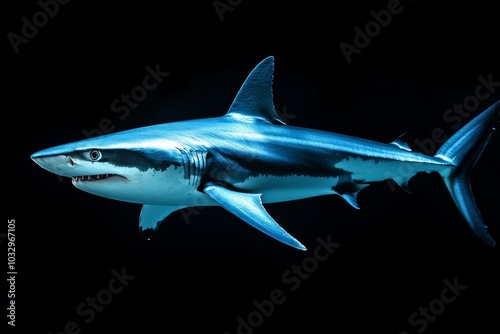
(194, 164)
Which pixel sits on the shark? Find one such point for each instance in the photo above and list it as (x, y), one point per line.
(250, 157)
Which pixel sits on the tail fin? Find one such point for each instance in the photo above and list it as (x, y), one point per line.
(462, 150)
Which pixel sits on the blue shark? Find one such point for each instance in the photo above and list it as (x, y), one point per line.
(249, 157)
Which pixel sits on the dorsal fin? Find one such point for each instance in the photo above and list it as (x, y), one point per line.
(255, 97)
(401, 142)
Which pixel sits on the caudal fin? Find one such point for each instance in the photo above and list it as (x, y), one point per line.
(462, 150)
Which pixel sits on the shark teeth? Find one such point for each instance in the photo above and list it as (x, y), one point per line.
(91, 177)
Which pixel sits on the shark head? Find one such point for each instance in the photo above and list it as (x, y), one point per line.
(125, 166)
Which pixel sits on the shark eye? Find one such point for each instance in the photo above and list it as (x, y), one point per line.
(95, 155)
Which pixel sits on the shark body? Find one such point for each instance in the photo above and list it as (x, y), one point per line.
(249, 157)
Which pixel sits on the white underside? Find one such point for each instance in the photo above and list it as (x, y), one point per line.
(287, 188)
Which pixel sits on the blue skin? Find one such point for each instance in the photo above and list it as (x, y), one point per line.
(248, 157)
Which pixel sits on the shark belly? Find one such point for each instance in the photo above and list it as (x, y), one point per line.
(287, 188)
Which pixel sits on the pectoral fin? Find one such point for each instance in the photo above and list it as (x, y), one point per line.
(152, 216)
(248, 207)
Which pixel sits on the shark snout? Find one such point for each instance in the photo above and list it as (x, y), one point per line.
(57, 164)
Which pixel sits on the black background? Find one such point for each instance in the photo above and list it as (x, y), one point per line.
(199, 277)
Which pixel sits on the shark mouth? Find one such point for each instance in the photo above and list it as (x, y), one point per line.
(98, 177)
